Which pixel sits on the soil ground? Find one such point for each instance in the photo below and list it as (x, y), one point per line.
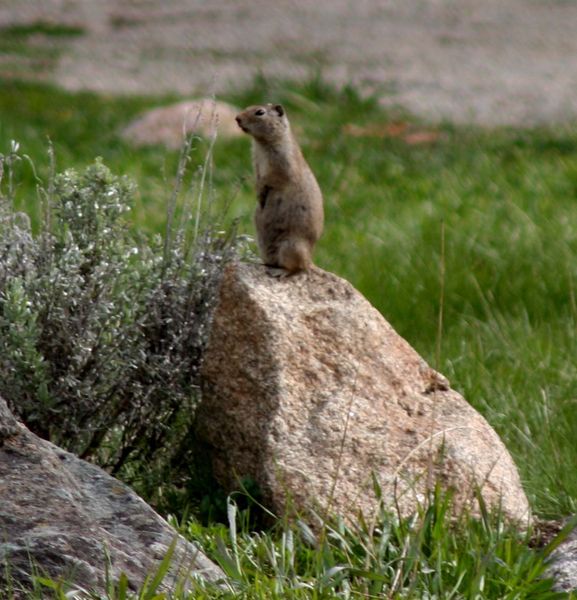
(489, 62)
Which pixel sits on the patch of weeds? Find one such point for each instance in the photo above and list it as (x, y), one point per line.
(44, 28)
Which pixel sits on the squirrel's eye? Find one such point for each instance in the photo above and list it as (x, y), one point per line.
(260, 112)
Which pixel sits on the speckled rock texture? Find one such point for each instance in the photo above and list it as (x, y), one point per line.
(61, 514)
(168, 125)
(563, 567)
(308, 391)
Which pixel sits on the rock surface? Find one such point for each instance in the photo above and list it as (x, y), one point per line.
(309, 391)
(563, 567)
(168, 125)
(62, 513)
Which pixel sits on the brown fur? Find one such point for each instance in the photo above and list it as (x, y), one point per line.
(289, 213)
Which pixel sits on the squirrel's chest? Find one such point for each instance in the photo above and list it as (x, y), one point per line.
(263, 167)
(272, 165)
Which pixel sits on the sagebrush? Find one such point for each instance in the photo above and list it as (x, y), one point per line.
(102, 330)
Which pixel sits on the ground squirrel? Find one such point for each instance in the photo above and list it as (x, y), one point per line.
(289, 213)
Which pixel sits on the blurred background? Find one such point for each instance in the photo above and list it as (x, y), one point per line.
(491, 62)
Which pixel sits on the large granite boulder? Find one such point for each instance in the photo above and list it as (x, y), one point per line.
(309, 392)
(60, 516)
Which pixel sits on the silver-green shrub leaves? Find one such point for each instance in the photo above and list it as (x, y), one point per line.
(101, 332)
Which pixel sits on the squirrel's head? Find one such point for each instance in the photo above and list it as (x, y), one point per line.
(265, 122)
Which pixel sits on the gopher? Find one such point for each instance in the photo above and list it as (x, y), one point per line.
(289, 213)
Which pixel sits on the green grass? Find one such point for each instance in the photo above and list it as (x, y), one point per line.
(44, 28)
(428, 556)
(504, 198)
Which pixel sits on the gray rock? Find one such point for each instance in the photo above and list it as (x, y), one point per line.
(8, 422)
(61, 515)
(563, 567)
(309, 392)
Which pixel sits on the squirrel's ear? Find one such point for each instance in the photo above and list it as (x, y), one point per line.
(279, 109)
